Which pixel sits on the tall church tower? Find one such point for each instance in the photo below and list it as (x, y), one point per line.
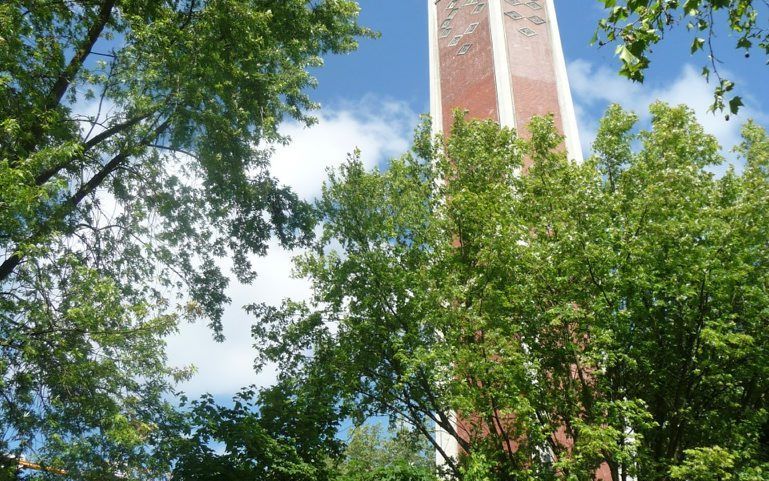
(501, 60)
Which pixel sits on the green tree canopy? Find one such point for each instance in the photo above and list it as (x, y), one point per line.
(134, 155)
(398, 454)
(607, 315)
(637, 26)
(289, 432)
(283, 433)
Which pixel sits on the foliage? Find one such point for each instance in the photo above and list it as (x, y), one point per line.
(608, 315)
(287, 432)
(134, 157)
(398, 455)
(705, 464)
(637, 26)
(275, 435)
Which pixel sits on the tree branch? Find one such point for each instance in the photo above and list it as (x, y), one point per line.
(64, 209)
(47, 174)
(68, 74)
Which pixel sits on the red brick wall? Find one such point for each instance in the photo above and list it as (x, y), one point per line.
(532, 66)
(467, 81)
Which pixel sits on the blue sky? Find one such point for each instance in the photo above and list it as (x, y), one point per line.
(395, 66)
(372, 99)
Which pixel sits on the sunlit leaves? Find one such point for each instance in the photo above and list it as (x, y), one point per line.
(134, 158)
(638, 26)
(606, 315)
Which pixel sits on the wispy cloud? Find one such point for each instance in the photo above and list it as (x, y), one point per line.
(595, 87)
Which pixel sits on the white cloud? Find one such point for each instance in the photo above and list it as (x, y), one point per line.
(381, 130)
(223, 368)
(594, 87)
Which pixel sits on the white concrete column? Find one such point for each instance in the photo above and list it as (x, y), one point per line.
(505, 100)
(568, 115)
(436, 105)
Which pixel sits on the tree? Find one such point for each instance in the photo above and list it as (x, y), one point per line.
(608, 316)
(288, 432)
(637, 26)
(134, 149)
(283, 433)
(396, 455)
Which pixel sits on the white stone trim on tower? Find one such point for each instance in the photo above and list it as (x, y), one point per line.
(447, 442)
(436, 105)
(505, 101)
(568, 115)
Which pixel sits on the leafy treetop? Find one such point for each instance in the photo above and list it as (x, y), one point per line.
(134, 157)
(610, 315)
(637, 26)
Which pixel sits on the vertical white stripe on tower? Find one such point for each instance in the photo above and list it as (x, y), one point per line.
(436, 107)
(505, 105)
(568, 116)
(447, 442)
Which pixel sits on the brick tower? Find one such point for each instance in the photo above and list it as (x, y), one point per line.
(502, 60)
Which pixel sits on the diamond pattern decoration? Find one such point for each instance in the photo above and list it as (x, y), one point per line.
(479, 8)
(527, 31)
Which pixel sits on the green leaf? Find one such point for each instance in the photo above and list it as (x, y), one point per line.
(697, 44)
(735, 103)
